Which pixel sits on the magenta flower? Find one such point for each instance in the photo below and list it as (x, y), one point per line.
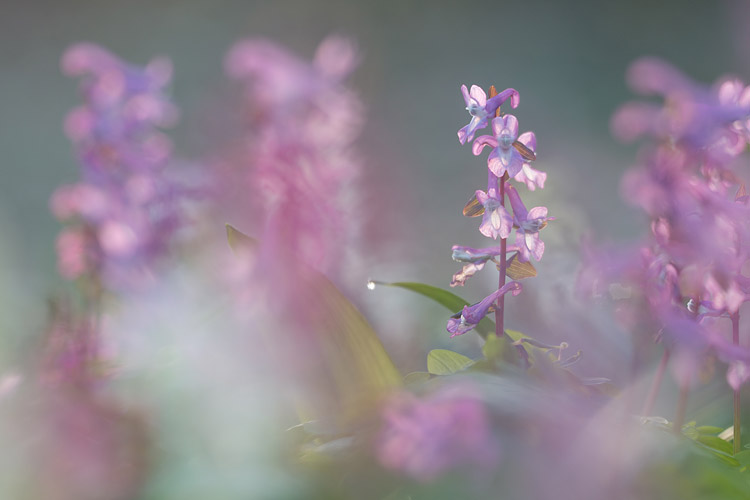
(470, 316)
(529, 224)
(425, 438)
(480, 108)
(529, 176)
(504, 156)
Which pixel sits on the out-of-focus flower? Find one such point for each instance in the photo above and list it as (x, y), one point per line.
(124, 212)
(529, 224)
(303, 122)
(480, 108)
(504, 156)
(424, 438)
(693, 116)
(468, 318)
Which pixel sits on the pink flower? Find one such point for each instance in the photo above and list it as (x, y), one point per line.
(425, 438)
(529, 224)
(504, 156)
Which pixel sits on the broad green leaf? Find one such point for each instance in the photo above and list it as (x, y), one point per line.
(743, 457)
(715, 443)
(351, 369)
(709, 429)
(447, 299)
(445, 362)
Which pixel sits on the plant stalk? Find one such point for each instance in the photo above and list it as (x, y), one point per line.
(656, 384)
(500, 304)
(735, 317)
(679, 419)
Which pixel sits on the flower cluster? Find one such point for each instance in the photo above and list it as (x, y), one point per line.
(510, 157)
(688, 273)
(298, 148)
(123, 211)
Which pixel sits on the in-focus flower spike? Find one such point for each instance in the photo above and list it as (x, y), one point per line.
(470, 316)
(529, 176)
(480, 108)
(529, 224)
(504, 157)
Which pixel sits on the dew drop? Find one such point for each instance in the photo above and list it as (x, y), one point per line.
(371, 285)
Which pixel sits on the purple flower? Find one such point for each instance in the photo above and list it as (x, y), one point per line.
(123, 213)
(470, 316)
(424, 438)
(504, 156)
(496, 221)
(529, 224)
(693, 115)
(529, 176)
(480, 108)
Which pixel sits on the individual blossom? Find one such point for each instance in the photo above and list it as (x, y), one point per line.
(470, 316)
(480, 108)
(531, 177)
(496, 221)
(475, 260)
(505, 157)
(529, 223)
(424, 438)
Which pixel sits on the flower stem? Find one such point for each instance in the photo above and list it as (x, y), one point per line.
(651, 399)
(735, 317)
(500, 308)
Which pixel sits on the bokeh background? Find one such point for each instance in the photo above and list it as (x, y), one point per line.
(567, 59)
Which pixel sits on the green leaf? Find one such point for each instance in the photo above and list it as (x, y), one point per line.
(445, 362)
(447, 299)
(709, 429)
(743, 457)
(351, 367)
(493, 347)
(416, 378)
(715, 443)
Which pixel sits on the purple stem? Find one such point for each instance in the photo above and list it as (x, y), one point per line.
(735, 317)
(500, 310)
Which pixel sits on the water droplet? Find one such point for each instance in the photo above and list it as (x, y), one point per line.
(371, 285)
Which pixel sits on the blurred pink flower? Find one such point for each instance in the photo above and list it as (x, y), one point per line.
(424, 438)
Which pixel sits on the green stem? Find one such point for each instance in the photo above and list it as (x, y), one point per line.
(651, 399)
